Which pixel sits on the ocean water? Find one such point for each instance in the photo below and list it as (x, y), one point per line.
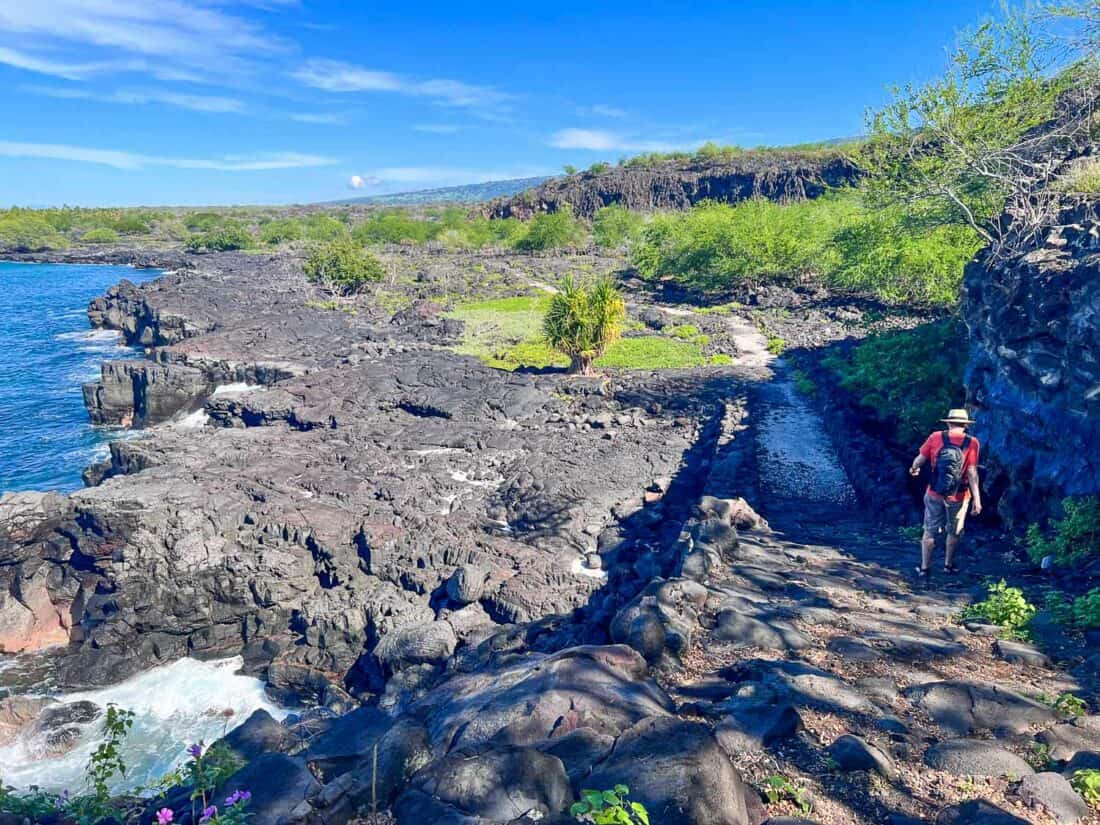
(48, 351)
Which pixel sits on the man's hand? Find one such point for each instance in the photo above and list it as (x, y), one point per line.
(975, 507)
(914, 471)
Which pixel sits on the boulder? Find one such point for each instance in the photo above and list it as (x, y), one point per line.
(851, 753)
(977, 812)
(757, 727)
(279, 785)
(430, 643)
(962, 708)
(662, 619)
(677, 770)
(975, 757)
(742, 630)
(1021, 653)
(493, 787)
(467, 584)
(1068, 739)
(1051, 793)
(260, 733)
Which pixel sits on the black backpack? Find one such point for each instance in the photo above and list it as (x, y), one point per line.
(947, 474)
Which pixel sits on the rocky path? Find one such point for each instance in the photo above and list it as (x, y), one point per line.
(827, 665)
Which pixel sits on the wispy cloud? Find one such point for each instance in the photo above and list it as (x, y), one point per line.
(132, 160)
(195, 103)
(336, 76)
(602, 110)
(599, 140)
(175, 38)
(325, 119)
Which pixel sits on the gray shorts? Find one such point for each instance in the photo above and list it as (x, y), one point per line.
(941, 515)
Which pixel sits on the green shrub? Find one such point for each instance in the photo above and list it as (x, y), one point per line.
(225, 237)
(609, 808)
(615, 227)
(599, 167)
(932, 359)
(203, 221)
(569, 169)
(1086, 610)
(552, 230)
(323, 228)
(343, 266)
(1069, 705)
(776, 345)
(1004, 606)
(395, 226)
(281, 231)
(1087, 783)
(100, 235)
(1073, 539)
(720, 359)
(131, 222)
(582, 320)
(29, 233)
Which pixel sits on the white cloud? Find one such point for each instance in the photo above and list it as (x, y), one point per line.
(173, 39)
(196, 103)
(332, 119)
(133, 160)
(598, 140)
(603, 110)
(336, 76)
(358, 181)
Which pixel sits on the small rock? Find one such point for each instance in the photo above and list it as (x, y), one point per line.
(1021, 653)
(977, 812)
(852, 753)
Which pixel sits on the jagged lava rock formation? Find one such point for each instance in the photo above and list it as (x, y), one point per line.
(1034, 373)
(678, 184)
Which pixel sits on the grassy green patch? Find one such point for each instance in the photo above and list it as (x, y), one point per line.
(507, 333)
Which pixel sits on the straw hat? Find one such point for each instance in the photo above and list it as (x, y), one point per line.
(958, 416)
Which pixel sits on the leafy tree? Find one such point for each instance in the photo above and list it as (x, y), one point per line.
(569, 169)
(395, 226)
(615, 226)
(964, 144)
(599, 167)
(343, 266)
(281, 230)
(552, 230)
(23, 232)
(583, 320)
(1073, 539)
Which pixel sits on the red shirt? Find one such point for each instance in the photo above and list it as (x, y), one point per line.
(931, 448)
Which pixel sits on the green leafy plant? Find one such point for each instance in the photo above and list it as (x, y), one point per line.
(1086, 610)
(1087, 783)
(1038, 756)
(609, 808)
(1004, 606)
(101, 234)
(343, 266)
(225, 237)
(21, 232)
(778, 788)
(552, 230)
(1072, 539)
(1069, 705)
(105, 766)
(582, 320)
(616, 227)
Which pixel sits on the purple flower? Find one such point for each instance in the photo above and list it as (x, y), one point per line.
(238, 796)
(195, 751)
(165, 816)
(209, 813)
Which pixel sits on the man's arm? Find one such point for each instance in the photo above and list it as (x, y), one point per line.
(918, 462)
(975, 489)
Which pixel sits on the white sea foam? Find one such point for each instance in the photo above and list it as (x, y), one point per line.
(174, 706)
(579, 569)
(193, 421)
(240, 386)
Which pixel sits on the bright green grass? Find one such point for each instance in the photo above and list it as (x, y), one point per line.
(506, 333)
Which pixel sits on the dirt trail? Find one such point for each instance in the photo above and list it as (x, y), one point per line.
(828, 664)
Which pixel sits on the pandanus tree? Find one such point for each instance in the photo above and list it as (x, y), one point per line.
(583, 320)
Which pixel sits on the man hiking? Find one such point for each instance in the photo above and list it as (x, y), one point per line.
(952, 487)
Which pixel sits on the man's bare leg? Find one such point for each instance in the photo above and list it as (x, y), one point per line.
(927, 546)
(949, 554)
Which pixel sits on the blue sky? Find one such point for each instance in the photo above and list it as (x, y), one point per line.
(127, 102)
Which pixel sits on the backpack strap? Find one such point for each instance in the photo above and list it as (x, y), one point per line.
(965, 444)
(945, 438)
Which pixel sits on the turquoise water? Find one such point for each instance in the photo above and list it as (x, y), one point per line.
(48, 351)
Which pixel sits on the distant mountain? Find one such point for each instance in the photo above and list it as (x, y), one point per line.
(470, 193)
